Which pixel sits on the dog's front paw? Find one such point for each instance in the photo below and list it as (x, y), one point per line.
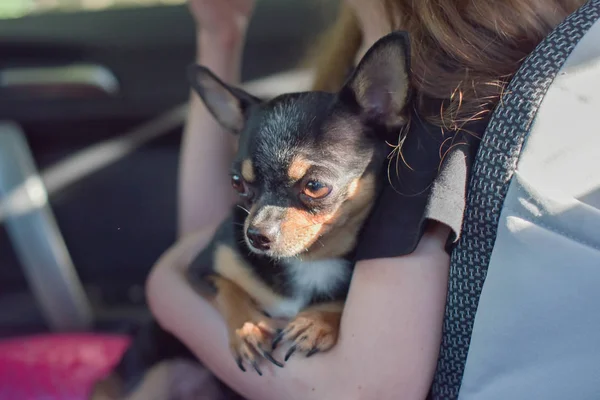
(252, 341)
(312, 331)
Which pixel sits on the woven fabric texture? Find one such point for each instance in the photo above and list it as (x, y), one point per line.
(492, 172)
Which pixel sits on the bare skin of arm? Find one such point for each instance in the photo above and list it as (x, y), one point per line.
(204, 186)
(390, 331)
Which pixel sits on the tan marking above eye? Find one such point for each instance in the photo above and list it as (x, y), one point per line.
(298, 168)
(248, 171)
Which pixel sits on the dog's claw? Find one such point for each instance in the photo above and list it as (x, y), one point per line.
(255, 366)
(269, 357)
(311, 332)
(249, 343)
(240, 364)
(312, 352)
(278, 337)
(290, 352)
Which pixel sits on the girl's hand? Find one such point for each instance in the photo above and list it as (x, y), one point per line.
(222, 19)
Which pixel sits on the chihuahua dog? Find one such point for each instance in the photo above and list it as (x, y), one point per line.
(307, 171)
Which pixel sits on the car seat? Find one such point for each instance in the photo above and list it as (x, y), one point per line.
(521, 318)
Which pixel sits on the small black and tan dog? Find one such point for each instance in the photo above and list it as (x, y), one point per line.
(307, 172)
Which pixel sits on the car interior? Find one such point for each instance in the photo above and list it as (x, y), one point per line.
(92, 104)
(93, 100)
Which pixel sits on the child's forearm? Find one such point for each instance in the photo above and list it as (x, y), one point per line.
(389, 342)
(204, 191)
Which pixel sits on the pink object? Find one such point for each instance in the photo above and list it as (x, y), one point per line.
(56, 367)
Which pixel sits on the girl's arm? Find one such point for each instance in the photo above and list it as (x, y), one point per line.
(206, 151)
(390, 335)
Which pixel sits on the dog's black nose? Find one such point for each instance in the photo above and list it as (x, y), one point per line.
(257, 239)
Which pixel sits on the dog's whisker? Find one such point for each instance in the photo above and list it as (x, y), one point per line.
(243, 208)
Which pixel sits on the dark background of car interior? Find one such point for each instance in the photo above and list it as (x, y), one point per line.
(117, 221)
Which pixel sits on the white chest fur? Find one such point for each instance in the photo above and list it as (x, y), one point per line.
(310, 278)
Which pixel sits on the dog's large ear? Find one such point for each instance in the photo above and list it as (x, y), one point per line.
(379, 85)
(228, 105)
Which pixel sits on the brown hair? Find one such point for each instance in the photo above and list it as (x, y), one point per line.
(463, 52)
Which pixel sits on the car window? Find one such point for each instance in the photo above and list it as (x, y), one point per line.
(20, 8)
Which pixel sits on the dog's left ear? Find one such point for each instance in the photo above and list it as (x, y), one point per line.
(380, 83)
(228, 105)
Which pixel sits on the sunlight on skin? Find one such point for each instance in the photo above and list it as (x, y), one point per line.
(401, 306)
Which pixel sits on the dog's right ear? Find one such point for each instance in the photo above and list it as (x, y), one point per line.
(228, 105)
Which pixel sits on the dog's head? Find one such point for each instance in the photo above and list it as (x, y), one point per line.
(307, 163)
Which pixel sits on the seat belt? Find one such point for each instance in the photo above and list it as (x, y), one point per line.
(493, 169)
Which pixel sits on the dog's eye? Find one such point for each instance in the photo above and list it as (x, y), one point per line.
(238, 184)
(316, 190)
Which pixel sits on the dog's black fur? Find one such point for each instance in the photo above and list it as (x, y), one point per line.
(307, 170)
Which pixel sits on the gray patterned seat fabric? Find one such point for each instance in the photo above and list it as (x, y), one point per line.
(521, 318)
